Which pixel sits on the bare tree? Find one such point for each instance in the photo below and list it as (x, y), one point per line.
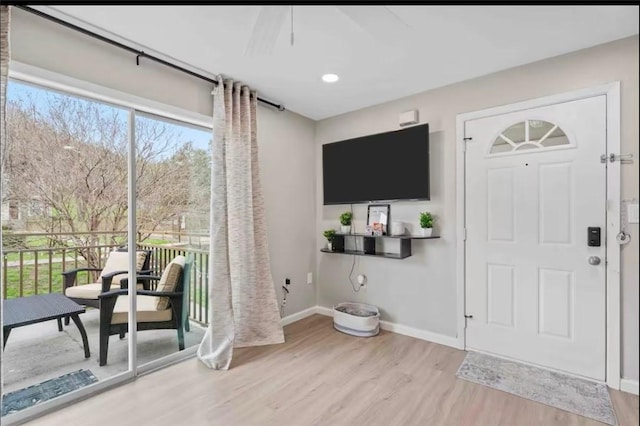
(71, 155)
(199, 162)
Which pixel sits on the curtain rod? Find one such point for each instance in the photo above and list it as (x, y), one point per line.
(139, 53)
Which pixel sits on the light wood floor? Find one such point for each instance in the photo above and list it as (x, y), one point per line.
(322, 377)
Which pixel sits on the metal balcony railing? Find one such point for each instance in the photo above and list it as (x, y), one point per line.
(38, 270)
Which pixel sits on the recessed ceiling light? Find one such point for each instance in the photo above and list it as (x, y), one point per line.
(330, 78)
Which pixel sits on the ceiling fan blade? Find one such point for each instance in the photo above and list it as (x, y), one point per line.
(266, 30)
(378, 21)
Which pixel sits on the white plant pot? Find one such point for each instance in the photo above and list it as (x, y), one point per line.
(426, 232)
(345, 229)
(330, 246)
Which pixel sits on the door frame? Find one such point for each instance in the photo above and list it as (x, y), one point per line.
(612, 211)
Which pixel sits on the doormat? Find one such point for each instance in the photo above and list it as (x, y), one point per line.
(578, 396)
(24, 398)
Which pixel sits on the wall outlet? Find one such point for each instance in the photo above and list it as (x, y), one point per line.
(309, 277)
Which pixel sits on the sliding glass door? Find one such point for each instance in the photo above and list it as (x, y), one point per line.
(98, 197)
(64, 224)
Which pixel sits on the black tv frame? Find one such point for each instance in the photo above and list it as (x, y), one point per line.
(388, 200)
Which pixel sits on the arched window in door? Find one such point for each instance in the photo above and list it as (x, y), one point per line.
(527, 135)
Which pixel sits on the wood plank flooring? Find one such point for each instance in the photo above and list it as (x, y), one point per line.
(322, 377)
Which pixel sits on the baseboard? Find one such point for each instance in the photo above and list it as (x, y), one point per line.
(429, 336)
(630, 386)
(324, 311)
(298, 316)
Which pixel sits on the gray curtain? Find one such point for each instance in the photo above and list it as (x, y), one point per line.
(243, 309)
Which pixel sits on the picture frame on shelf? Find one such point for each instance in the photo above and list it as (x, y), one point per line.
(378, 219)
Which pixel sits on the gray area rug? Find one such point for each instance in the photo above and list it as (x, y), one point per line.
(32, 395)
(572, 394)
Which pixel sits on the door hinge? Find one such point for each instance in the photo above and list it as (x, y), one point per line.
(466, 319)
(464, 143)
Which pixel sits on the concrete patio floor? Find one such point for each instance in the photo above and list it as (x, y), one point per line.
(40, 352)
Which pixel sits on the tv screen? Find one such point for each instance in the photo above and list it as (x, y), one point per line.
(386, 166)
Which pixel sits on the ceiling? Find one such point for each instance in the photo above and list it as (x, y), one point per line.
(380, 53)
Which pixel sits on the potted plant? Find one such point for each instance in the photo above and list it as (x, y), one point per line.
(329, 234)
(345, 222)
(426, 223)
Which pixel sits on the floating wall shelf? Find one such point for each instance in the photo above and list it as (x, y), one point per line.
(405, 245)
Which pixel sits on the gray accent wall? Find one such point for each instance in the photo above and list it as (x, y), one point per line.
(420, 291)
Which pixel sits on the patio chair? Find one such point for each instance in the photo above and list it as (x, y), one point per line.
(162, 308)
(114, 270)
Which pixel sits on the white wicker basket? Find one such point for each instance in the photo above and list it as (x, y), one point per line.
(356, 319)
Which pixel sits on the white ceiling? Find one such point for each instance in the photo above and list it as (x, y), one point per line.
(420, 48)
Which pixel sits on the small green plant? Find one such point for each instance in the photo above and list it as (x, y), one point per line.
(329, 234)
(345, 218)
(426, 220)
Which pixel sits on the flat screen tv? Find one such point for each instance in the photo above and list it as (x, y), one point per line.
(382, 167)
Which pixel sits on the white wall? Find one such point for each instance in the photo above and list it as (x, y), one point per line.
(286, 140)
(420, 291)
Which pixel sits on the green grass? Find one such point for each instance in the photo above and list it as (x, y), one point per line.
(36, 242)
(29, 282)
(155, 241)
(11, 257)
(41, 243)
(43, 256)
(33, 242)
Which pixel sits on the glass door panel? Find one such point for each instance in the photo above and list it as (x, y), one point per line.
(173, 163)
(64, 225)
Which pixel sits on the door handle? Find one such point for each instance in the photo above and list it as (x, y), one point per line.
(594, 260)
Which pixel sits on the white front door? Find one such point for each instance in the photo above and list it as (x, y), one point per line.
(534, 186)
